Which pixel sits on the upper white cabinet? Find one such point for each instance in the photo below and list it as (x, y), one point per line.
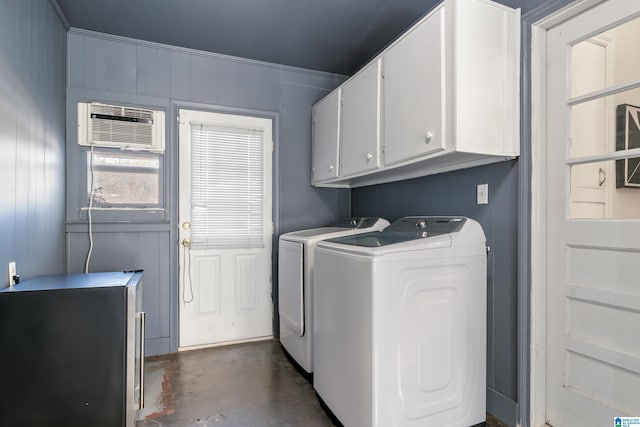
(414, 98)
(326, 136)
(443, 96)
(361, 121)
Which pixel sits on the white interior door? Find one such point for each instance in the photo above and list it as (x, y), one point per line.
(593, 290)
(225, 228)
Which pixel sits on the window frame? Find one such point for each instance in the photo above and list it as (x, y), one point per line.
(128, 153)
(122, 213)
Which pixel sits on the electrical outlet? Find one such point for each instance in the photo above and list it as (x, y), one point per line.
(12, 272)
(482, 196)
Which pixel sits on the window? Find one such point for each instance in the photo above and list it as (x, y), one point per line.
(124, 179)
(605, 125)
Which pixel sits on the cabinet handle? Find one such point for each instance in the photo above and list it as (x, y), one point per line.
(427, 137)
(369, 157)
(330, 167)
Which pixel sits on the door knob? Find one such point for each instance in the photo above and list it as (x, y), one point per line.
(186, 225)
(186, 243)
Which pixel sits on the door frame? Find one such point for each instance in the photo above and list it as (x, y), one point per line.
(538, 224)
(174, 202)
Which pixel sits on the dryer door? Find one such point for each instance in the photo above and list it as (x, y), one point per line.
(291, 285)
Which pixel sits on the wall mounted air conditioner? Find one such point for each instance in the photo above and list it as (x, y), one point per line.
(127, 128)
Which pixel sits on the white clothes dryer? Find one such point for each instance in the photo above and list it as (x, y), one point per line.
(295, 283)
(400, 324)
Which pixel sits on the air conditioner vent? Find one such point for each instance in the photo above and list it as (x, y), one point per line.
(122, 127)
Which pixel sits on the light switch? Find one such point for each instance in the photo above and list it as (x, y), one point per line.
(482, 197)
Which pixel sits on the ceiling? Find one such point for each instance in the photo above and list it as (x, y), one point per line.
(336, 36)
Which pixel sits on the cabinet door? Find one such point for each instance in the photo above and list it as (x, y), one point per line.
(414, 92)
(361, 121)
(326, 137)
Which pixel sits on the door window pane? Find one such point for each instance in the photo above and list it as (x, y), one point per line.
(596, 193)
(602, 125)
(606, 60)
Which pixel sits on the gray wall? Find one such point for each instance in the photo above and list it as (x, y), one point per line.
(110, 69)
(32, 70)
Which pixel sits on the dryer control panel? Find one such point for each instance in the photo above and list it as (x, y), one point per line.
(404, 230)
(432, 225)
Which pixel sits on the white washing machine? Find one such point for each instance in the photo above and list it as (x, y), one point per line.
(400, 324)
(295, 283)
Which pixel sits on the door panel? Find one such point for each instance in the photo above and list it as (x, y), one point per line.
(225, 228)
(207, 278)
(247, 270)
(593, 300)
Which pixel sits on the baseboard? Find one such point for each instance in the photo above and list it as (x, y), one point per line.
(502, 407)
(157, 346)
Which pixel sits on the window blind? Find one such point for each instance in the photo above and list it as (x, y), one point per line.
(226, 186)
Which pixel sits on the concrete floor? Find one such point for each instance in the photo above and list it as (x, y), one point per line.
(244, 385)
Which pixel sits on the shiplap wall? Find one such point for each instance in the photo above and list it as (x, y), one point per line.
(112, 69)
(32, 82)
